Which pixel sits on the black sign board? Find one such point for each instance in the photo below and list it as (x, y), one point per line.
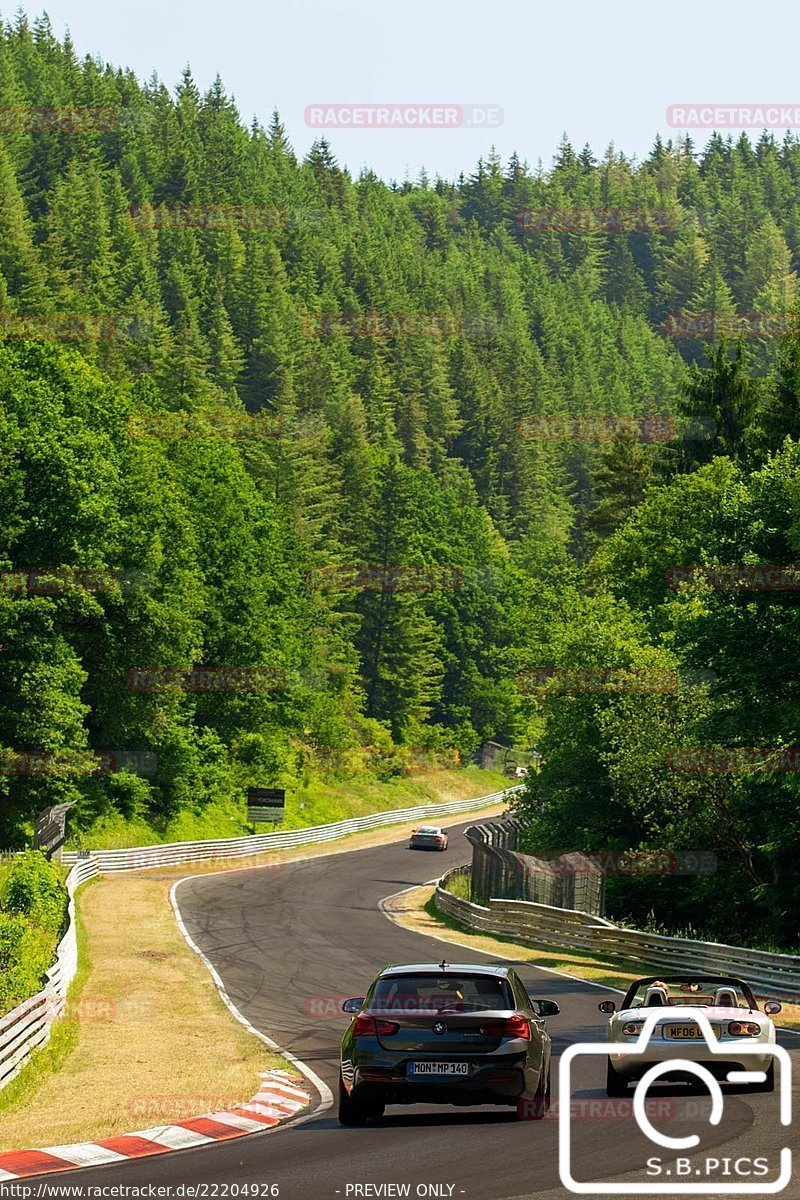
(265, 804)
(50, 832)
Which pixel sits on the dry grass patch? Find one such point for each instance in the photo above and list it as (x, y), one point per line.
(147, 1039)
(151, 1040)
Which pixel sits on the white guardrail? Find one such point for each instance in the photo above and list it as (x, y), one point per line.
(141, 857)
(28, 1027)
(541, 925)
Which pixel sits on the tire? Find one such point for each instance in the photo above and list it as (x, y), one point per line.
(351, 1113)
(535, 1109)
(769, 1083)
(547, 1093)
(615, 1084)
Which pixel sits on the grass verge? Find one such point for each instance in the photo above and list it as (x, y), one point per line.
(319, 801)
(133, 1051)
(143, 1011)
(417, 910)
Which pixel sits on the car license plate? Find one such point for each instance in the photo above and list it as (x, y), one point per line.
(417, 1069)
(689, 1033)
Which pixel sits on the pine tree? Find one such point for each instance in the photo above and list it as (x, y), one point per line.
(625, 473)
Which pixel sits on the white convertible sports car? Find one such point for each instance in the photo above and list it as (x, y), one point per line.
(729, 1005)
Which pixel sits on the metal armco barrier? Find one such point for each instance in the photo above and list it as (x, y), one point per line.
(500, 869)
(542, 925)
(29, 1026)
(141, 857)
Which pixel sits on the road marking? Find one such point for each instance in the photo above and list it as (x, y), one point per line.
(325, 1093)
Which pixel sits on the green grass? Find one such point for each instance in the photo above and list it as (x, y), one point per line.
(459, 885)
(319, 801)
(63, 1038)
(33, 906)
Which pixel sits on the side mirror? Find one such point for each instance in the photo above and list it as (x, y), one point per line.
(772, 1008)
(354, 1005)
(548, 1008)
(607, 1006)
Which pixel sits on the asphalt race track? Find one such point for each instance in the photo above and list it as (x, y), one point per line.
(290, 943)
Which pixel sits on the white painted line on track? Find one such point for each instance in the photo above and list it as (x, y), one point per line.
(325, 1093)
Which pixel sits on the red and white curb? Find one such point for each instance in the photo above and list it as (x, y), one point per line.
(277, 1099)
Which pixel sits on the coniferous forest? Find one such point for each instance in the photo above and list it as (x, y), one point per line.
(431, 466)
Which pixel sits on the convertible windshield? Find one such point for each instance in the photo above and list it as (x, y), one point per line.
(702, 991)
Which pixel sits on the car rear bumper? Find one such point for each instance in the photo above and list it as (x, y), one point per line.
(633, 1066)
(495, 1083)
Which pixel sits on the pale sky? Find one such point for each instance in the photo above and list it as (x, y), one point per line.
(602, 72)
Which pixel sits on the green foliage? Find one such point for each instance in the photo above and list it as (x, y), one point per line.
(33, 903)
(211, 252)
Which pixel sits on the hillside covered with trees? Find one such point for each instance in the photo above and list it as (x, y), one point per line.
(382, 454)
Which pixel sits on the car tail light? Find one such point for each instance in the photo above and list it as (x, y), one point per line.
(367, 1026)
(744, 1029)
(632, 1028)
(516, 1027)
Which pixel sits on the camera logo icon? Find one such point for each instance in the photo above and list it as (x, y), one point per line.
(782, 1065)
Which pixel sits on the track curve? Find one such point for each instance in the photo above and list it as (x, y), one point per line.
(288, 944)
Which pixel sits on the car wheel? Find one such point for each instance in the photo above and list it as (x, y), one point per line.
(535, 1109)
(769, 1083)
(350, 1111)
(615, 1084)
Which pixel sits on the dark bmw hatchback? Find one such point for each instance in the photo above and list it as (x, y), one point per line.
(445, 1034)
